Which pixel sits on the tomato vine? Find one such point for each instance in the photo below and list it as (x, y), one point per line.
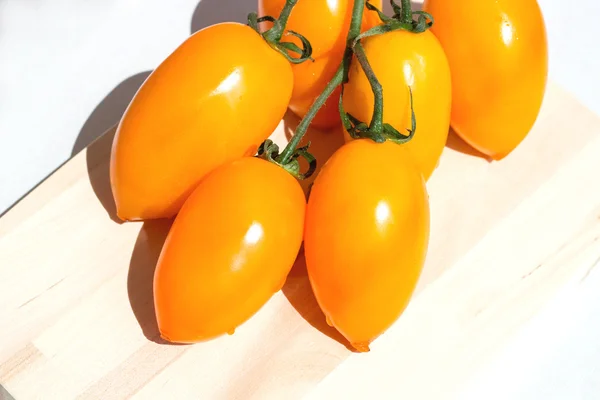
(274, 35)
(377, 130)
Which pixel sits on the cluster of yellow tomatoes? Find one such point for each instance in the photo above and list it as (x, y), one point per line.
(187, 146)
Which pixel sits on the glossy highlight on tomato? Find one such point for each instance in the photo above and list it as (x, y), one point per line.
(400, 60)
(498, 55)
(366, 237)
(229, 250)
(205, 105)
(325, 24)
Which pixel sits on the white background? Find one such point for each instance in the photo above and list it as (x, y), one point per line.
(68, 69)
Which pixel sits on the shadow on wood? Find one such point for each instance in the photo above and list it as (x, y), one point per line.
(299, 293)
(455, 143)
(96, 131)
(140, 279)
(98, 167)
(4, 395)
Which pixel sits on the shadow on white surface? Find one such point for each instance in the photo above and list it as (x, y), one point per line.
(209, 12)
(109, 111)
(387, 8)
(140, 278)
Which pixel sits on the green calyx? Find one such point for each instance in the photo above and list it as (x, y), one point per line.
(377, 130)
(404, 18)
(274, 35)
(269, 151)
(378, 133)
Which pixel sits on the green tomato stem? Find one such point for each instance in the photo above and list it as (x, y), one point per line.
(276, 32)
(289, 150)
(356, 22)
(407, 12)
(285, 13)
(338, 78)
(376, 124)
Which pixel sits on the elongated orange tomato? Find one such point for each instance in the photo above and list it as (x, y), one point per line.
(366, 236)
(498, 55)
(213, 100)
(325, 24)
(229, 250)
(400, 60)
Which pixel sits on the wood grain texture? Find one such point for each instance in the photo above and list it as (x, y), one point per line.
(77, 318)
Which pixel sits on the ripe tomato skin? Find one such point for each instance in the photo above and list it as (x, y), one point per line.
(401, 59)
(366, 236)
(203, 106)
(229, 250)
(499, 64)
(325, 24)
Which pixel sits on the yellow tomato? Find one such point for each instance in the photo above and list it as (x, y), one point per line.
(498, 55)
(203, 106)
(230, 248)
(400, 60)
(366, 236)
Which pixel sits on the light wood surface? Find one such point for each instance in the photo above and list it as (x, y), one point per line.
(76, 313)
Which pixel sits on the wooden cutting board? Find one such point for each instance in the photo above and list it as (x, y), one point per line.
(77, 318)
